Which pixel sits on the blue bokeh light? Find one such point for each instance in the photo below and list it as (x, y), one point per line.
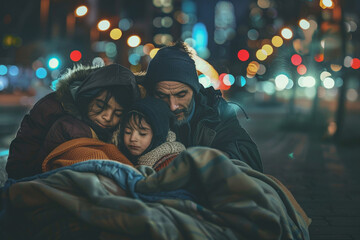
(3, 70)
(13, 71)
(41, 73)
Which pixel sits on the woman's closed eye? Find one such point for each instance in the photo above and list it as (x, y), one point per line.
(118, 113)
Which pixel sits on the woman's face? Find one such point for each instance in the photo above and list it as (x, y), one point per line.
(137, 137)
(105, 114)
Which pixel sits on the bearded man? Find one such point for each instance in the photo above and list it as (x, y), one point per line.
(202, 116)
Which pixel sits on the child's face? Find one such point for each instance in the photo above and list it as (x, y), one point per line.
(105, 114)
(137, 137)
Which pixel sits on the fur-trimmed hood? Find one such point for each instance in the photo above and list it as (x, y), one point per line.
(63, 93)
(82, 78)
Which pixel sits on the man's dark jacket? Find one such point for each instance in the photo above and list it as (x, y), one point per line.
(215, 124)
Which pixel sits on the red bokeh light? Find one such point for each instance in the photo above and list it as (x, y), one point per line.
(319, 57)
(355, 63)
(296, 59)
(301, 69)
(243, 55)
(223, 86)
(75, 55)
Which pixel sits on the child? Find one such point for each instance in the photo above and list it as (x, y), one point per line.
(88, 103)
(145, 135)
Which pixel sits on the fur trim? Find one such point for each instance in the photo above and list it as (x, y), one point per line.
(78, 72)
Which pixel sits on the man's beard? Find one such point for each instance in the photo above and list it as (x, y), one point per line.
(186, 111)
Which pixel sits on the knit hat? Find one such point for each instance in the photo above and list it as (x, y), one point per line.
(172, 64)
(158, 116)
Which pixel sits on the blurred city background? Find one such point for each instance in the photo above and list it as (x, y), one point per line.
(293, 65)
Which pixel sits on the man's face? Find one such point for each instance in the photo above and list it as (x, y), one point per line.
(178, 96)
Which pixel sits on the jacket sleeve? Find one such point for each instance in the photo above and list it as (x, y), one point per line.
(64, 129)
(232, 139)
(30, 137)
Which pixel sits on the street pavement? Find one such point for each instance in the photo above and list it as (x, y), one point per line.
(322, 175)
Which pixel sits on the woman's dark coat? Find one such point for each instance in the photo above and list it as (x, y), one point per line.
(56, 118)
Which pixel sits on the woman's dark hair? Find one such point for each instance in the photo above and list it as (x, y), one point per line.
(122, 96)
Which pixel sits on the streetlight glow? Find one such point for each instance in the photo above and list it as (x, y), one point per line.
(103, 25)
(304, 24)
(81, 11)
(286, 33)
(326, 4)
(134, 41)
(53, 63)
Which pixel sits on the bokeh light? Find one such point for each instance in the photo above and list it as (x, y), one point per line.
(296, 59)
(134, 58)
(355, 63)
(286, 33)
(147, 48)
(205, 80)
(307, 81)
(242, 81)
(324, 74)
(103, 25)
(304, 24)
(268, 49)
(335, 67)
(134, 41)
(263, 3)
(54, 63)
(116, 33)
(98, 61)
(301, 69)
(326, 4)
(3, 70)
(351, 95)
(281, 82)
(347, 61)
(41, 73)
(81, 11)
(75, 55)
(277, 41)
(229, 79)
(252, 68)
(328, 83)
(319, 57)
(253, 34)
(153, 52)
(125, 24)
(110, 49)
(243, 55)
(261, 54)
(262, 69)
(166, 22)
(13, 71)
(4, 82)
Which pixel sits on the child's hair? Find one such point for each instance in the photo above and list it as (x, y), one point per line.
(156, 113)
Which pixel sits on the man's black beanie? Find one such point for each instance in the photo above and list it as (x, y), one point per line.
(172, 64)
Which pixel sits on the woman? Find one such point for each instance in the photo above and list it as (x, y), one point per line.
(88, 103)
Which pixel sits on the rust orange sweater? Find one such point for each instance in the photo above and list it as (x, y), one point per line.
(82, 149)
